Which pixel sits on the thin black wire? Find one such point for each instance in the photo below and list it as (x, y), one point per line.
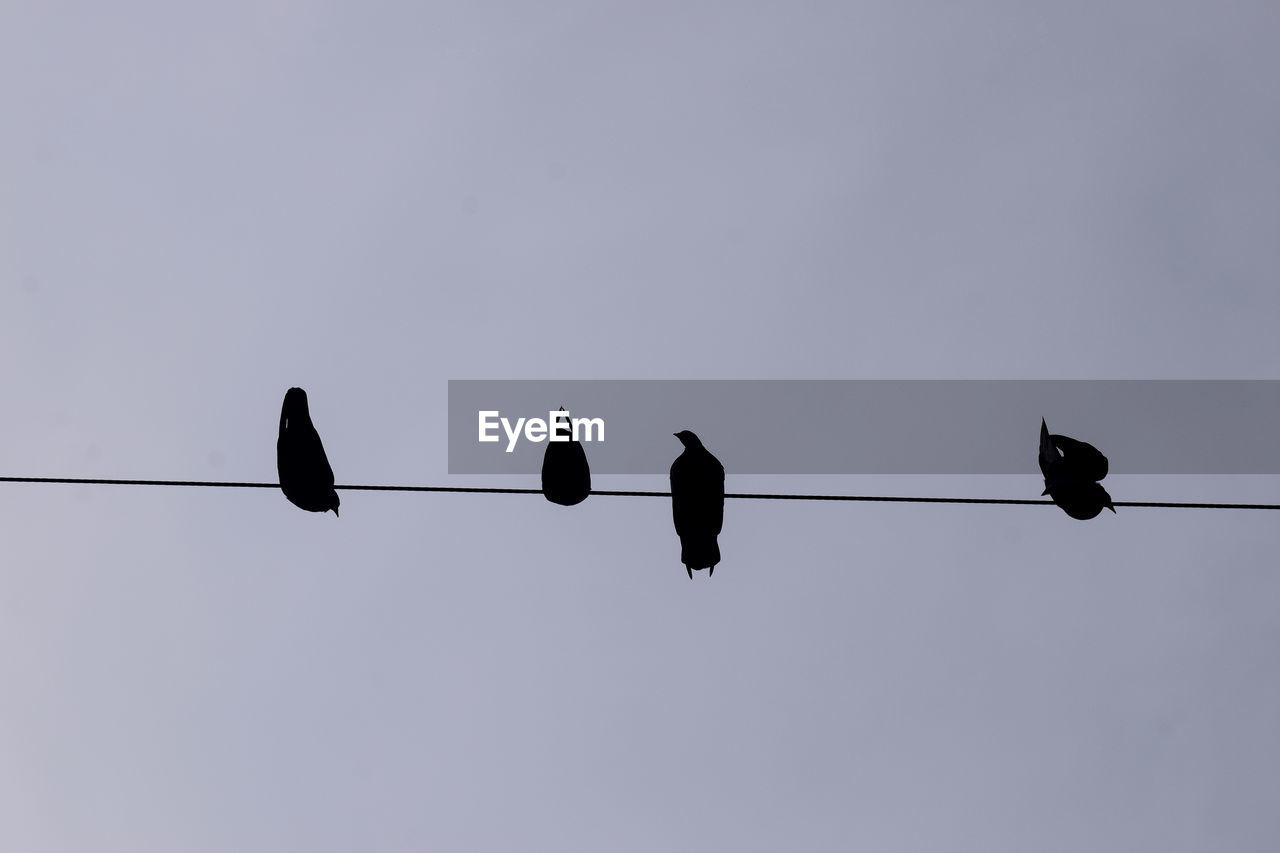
(629, 494)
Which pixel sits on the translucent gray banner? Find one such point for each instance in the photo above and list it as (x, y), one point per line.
(877, 426)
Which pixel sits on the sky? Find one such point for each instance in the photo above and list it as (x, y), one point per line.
(202, 205)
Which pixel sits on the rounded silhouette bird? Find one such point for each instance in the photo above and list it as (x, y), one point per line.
(566, 477)
(697, 504)
(305, 476)
(1071, 472)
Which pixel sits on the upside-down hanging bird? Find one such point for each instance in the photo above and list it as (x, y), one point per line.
(305, 476)
(697, 504)
(1071, 471)
(566, 477)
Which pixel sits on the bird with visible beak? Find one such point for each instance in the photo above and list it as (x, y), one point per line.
(1071, 472)
(697, 504)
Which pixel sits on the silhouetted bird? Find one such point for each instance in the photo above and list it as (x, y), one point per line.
(1071, 471)
(697, 504)
(566, 477)
(305, 476)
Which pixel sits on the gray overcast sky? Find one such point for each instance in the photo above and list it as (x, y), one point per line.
(202, 205)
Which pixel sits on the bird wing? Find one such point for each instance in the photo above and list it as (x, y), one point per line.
(300, 453)
(697, 494)
(565, 472)
(1082, 459)
(319, 460)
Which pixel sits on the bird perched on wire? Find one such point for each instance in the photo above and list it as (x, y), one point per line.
(1071, 471)
(697, 504)
(305, 476)
(566, 477)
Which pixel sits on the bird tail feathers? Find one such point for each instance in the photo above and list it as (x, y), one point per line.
(699, 552)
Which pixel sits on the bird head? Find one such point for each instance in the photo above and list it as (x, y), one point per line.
(687, 438)
(295, 406)
(334, 507)
(562, 425)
